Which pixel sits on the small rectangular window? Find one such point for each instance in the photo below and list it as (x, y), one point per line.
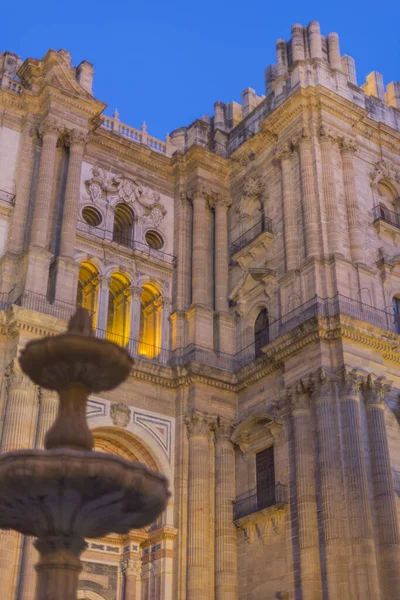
(265, 470)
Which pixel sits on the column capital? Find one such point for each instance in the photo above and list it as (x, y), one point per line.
(299, 396)
(132, 567)
(284, 152)
(348, 145)
(77, 139)
(375, 389)
(15, 378)
(302, 137)
(223, 430)
(216, 200)
(349, 381)
(45, 393)
(51, 127)
(199, 424)
(196, 194)
(326, 134)
(322, 382)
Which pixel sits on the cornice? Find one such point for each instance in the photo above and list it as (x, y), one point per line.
(139, 154)
(198, 157)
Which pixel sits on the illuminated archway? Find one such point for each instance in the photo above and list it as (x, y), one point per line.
(150, 321)
(88, 288)
(119, 309)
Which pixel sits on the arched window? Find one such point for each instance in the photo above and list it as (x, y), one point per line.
(150, 321)
(119, 309)
(261, 331)
(88, 289)
(396, 313)
(123, 225)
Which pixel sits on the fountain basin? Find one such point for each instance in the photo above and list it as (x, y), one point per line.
(76, 493)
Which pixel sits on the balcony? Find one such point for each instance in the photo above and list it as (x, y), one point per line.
(315, 307)
(265, 225)
(126, 241)
(251, 502)
(386, 223)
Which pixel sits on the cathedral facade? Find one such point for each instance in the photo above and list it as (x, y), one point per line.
(249, 264)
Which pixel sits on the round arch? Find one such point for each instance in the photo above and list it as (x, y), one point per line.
(88, 594)
(135, 444)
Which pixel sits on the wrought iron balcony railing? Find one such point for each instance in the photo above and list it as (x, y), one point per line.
(126, 240)
(249, 235)
(381, 213)
(254, 501)
(315, 307)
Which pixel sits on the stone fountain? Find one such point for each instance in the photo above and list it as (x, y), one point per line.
(68, 492)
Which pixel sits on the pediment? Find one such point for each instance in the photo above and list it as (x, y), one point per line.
(250, 283)
(54, 69)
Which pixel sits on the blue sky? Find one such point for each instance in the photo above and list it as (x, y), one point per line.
(166, 62)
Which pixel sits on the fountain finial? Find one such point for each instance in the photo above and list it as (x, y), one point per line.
(81, 322)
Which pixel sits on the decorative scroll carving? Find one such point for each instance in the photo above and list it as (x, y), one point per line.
(383, 169)
(299, 395)
(348, 145)
(350, 382)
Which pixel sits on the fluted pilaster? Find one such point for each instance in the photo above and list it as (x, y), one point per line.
(309, 201)
(375, 391)
(198, 543)
(77, 141)
(16, 234)
(182, 296)
(132, 569)
(200, 255)
(284, 154)
(326, 142)
(226, 586)
(364, 567)
(221, 205)
(348, 148)
(50, 132)
(18, 433)
(324, 395)
(306, 495)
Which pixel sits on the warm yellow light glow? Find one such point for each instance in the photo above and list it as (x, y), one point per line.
(150, 321)
(88, 289)
(119, 309)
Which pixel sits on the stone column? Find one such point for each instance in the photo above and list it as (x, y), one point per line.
(200, 249)
(102, 304)
(18, 433)
(198, 543)
(326, 141)
(308, 197)
(306, 494)
(182, 296)
(220, 206)
(50, 132)
(226, 585)
(384, 494)
(329, 462)
(67, 268)
(363, 567)
(135, 318)
(284, 154)
(348, 148)
(77, 141)
(132, 570)
(166, 311)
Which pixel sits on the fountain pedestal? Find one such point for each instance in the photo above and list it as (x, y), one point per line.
(68, 492)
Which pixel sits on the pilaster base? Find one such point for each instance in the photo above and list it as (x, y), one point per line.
(200, 326)
(178, 320)
(224, 333)
(66, 274)
(37, 261)
(11, 274)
